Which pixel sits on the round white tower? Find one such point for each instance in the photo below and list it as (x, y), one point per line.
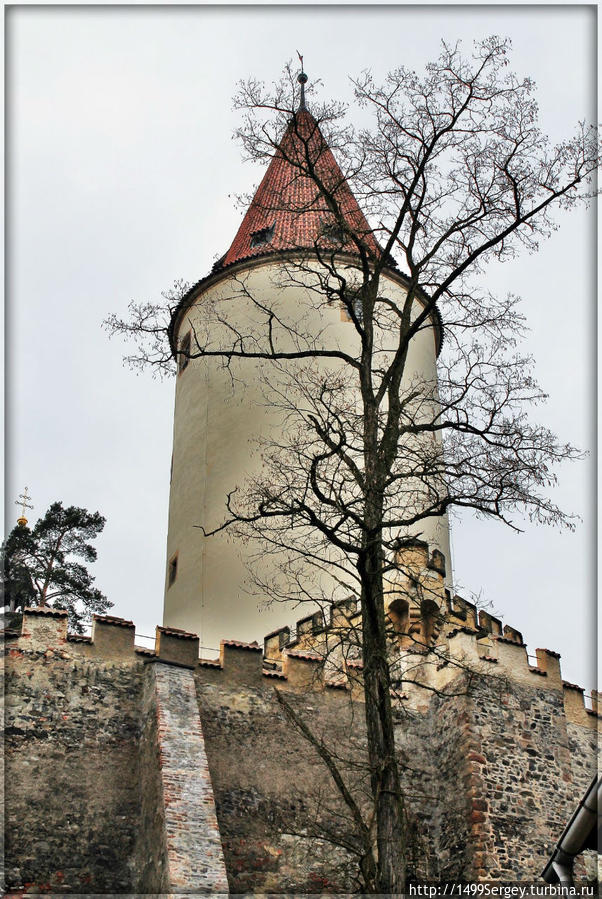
(221, 411)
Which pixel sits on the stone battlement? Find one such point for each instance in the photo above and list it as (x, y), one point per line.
(175, 772)
(320, 657)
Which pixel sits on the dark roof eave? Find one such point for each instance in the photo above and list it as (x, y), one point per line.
(217, 274)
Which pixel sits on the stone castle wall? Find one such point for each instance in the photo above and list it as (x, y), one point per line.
(150, 771)
(72, 776)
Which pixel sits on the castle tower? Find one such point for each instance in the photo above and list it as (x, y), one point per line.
(220, 411)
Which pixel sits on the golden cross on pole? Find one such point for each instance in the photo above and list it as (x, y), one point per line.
(22, 501)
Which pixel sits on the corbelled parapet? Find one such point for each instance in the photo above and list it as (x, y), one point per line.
(459, 632)
(420, 574)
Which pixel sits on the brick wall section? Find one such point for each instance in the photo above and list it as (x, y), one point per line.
(194, 852)
(71, 775)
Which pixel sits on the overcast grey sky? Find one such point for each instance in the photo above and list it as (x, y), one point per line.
(121, 171)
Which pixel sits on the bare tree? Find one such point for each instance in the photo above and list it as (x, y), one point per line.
(417, 651)
(453, 174)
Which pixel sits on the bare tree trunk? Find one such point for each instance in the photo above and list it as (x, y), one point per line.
(385, 785)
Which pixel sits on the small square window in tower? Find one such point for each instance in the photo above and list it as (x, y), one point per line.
(172, 570)
(358, 311)
(263, 236)
(184, 353)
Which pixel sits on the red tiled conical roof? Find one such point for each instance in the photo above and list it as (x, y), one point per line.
(291, 204)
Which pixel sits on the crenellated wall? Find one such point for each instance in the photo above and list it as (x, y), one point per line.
(132, 770)
(107, 787)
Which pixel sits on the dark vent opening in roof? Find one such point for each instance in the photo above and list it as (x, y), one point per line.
(263, 236)
(333, 233)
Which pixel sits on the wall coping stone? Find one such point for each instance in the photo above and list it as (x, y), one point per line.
(177, 632)
(45, 610)
(254, 647)
(112, 619)
(500, 639)
(308, 657)
(276, 632)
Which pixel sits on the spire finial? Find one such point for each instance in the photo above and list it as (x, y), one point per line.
(22, 501)
(302, 79)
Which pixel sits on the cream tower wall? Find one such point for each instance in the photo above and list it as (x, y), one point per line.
(216, 423)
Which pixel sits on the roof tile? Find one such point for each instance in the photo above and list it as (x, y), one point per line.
(290, 201)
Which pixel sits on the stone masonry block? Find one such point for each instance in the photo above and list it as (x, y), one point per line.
(464, 646)
(112, 638)
(574, 706)
(412, 557)
(511, 633)
(512, 657)
(341, 612)
(310, 625)
(44, 628)
(173, 645)
(274, 643)
(461, 610)
(490, 623)
(242, 663)
(437, 562)
(549, 662)
(304, 671)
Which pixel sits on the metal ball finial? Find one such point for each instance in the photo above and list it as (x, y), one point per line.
(302, 79)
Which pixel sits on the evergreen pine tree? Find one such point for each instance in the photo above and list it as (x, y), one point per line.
(40, 567)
